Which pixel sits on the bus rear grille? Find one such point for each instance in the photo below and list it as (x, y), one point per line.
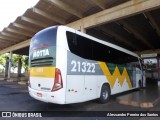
(42, 62)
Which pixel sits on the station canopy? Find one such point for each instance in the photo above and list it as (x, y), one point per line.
(132, 24)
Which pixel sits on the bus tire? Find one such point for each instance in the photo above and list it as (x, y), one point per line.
(105, 94)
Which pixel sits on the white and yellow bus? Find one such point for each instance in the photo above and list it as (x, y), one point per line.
(67, 66)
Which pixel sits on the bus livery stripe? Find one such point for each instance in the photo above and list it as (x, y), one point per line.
(111, 71)
(45, 72)
(116, 74)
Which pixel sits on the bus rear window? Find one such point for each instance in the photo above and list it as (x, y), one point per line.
(44, 38)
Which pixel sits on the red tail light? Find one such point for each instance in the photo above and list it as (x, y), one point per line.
(58, 84)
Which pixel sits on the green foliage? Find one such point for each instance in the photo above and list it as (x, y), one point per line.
(15, 59)
(25, 63)
(3, 59)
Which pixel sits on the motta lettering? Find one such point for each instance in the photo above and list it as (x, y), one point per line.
(41, 53)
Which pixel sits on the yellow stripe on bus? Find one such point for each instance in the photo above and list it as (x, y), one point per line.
(116, 74)
(47, 72)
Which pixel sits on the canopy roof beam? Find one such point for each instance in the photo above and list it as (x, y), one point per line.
(35, 22)
(154, 23)
(16, 47)
(24, 27)
(100, 4)
(19, 32)
(6, 42)
(12, 36)
(49, 16)
(124, 10)
(8, 38)
(66, 7)
(135, 33)
(118, 37)
(148, 51)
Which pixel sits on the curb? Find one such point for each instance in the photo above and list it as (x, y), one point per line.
(23, 83)
(1, 79)
(138, 104)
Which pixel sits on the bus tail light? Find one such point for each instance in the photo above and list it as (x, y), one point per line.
(58, 84)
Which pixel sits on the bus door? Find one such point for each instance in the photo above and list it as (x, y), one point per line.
(143, 73)
(138, 77)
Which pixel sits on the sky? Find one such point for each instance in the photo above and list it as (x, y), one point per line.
(11, 9)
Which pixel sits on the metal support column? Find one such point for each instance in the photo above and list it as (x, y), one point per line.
(83, 29)
(6, 68)
(19, 67)
(10, 65)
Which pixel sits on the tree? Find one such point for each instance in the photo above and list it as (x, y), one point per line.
(3, 61)
(24, 60)
(25, 63)
(15, 59)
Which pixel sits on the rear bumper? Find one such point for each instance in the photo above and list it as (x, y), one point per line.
(57, 97)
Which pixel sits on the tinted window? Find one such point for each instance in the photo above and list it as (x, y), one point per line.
(44, 38)
(80, 45)
(92, 50)
(111, 55)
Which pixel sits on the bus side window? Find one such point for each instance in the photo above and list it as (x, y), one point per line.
(79, 45)
(74, 39)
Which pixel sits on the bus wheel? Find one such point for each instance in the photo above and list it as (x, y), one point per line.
(105, 94)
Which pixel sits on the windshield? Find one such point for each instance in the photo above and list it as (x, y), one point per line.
(44, 39)
(43, 48)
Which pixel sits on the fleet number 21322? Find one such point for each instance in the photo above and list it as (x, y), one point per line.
(78, 66)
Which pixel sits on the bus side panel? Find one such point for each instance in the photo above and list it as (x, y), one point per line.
(90, 87)
(118, 81)
(120, 88)
(101, 80)
(83, 81)
(61, 59)
(74, 90)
